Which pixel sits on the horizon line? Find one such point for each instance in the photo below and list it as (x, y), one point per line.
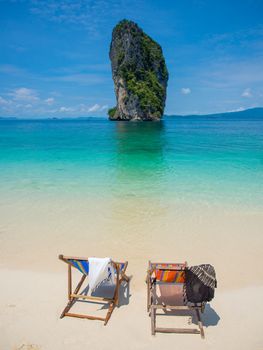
(101, 117)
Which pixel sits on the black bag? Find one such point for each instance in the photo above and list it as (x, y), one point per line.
(196, 290)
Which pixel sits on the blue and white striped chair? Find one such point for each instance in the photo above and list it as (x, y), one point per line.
(82, 265)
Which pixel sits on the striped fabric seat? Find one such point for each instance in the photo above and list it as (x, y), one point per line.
(121, 265)
(162, 273)
(83, 265)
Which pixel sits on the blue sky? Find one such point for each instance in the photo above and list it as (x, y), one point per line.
(54, 54)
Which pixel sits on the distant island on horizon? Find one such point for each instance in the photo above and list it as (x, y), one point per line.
(256, 112)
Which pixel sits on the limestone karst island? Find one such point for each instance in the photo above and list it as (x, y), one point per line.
(139, 73)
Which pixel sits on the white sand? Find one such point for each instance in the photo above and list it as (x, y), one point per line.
(31, 304)
(33, 280)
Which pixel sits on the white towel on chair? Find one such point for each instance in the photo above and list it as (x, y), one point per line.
(100, 270)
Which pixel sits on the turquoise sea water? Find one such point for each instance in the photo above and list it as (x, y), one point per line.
(200, 159)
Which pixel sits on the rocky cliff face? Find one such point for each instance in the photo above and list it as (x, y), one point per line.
(139, 73)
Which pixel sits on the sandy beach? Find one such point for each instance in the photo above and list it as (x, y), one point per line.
(131, 131)
(34, 290)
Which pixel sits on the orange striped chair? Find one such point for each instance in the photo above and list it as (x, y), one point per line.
(163, 275)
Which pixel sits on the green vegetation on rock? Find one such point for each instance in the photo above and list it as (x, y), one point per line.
(139, 73)
(112, 111)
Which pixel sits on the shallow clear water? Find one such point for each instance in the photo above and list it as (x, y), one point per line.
(197, 159)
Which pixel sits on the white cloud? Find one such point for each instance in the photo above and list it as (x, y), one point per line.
(94, 108)
(66, 109)
(239, 109)
(24, 94)
(185, 91)
(23, 102)
(247, 93)
(49, 101)
(3, 101)
(104, 107)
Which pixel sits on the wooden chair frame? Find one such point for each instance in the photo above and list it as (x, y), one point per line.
(73, 297)
(152, 307)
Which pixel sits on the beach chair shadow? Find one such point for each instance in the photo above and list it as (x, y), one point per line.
(210, 317)
(124, 295)
(108, 291)
(106, 295)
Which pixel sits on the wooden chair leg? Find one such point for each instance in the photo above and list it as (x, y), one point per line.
(153, 319)
(200, 323)
(124, 278)
(148, 294)
(203, 308)
(69, 282)
(122, 273)
(72, 300)
(115, 297)
(111, 308)
(117, 290)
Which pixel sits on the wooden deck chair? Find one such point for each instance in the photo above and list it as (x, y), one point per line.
(82, 264)
(170, 274)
